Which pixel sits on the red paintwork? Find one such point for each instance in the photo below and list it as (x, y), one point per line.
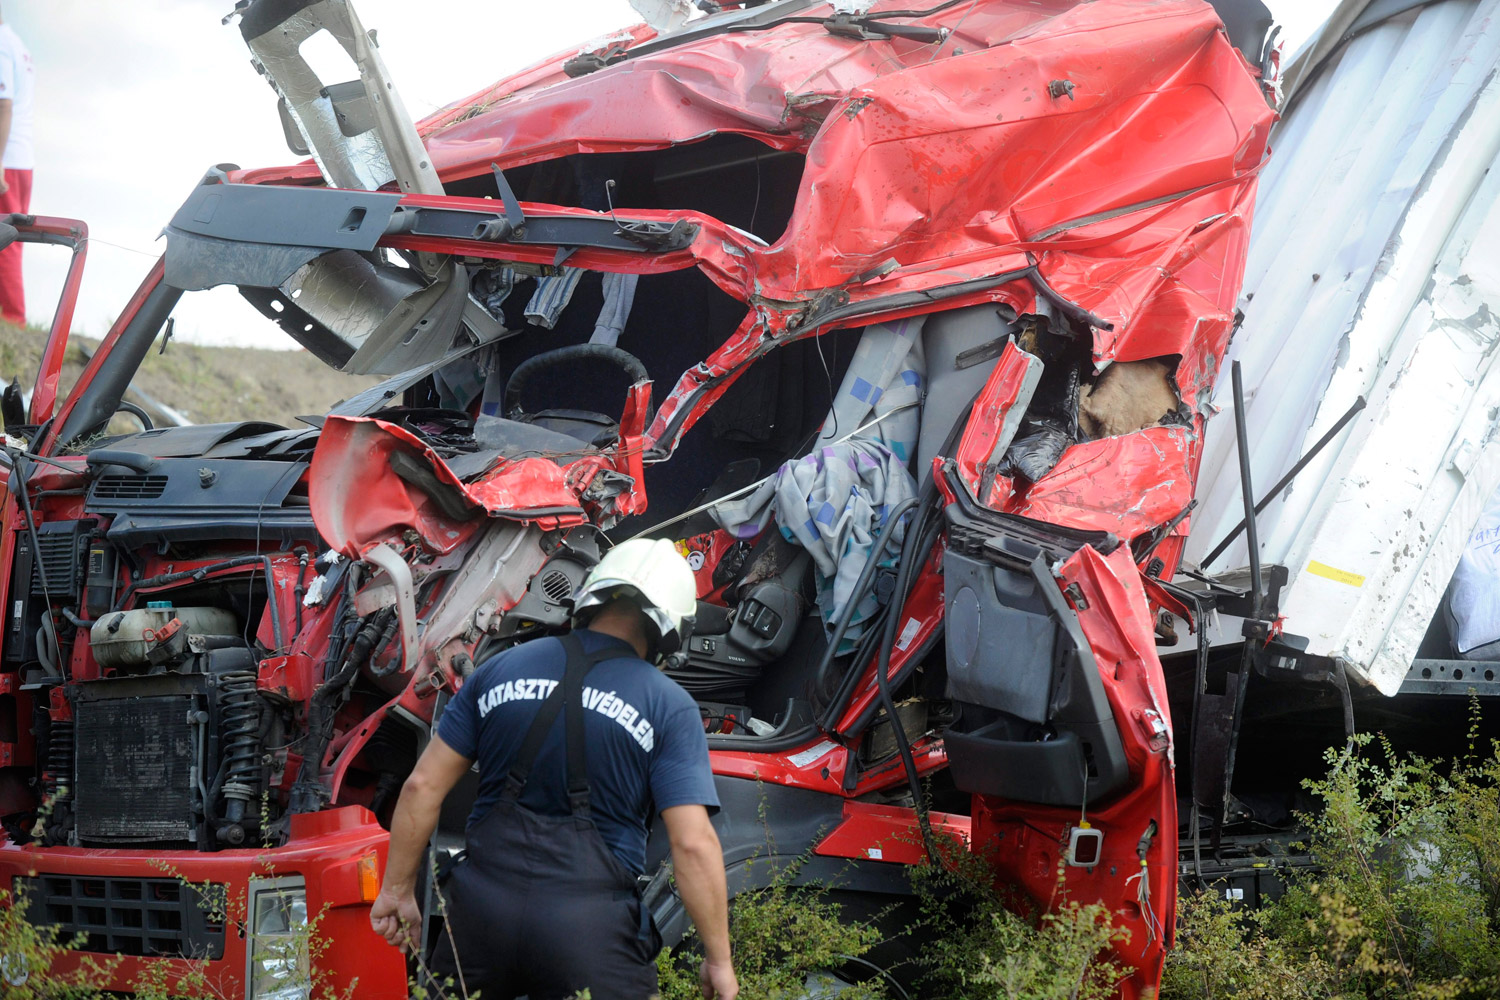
(324, 849)
(887, 833)
(1028, 841)
(703, 553)
(354, 453)
(822, 770)
(1001, 392)
(289, 677)
(75, 235)
(936, 165)
(954, 166)
(1086, 489)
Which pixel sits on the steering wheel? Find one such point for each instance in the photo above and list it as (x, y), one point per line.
(587, 425)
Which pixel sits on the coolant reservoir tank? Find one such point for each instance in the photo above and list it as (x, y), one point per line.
(126, 638)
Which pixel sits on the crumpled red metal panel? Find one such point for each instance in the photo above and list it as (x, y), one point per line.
(1000, 394)
(1115, 144)
(1125, 485)
(945, 158)
(357, 501)
(1116, 621)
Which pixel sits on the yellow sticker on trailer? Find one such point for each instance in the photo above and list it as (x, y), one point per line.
(1332, 573)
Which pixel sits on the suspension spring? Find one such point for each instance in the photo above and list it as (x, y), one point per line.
(239, 712)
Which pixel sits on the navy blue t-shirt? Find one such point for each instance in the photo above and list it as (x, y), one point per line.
(647, 750)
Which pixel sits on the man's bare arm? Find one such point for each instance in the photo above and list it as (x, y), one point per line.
(698, 862)
(437, 771)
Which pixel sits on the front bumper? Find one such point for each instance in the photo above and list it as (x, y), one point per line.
(324, 850)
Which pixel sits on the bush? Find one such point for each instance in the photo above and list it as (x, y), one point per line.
(785, 939)
(983, 950)
(1407, 903)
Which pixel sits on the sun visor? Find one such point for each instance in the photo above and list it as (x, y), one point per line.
(240, 234)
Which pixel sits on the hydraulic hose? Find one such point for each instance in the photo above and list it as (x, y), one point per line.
(916, 557)
(196, 575)
(862, 584)
(910, 565)
(307, 791)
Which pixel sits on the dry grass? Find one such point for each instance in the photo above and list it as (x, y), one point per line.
(206, 384)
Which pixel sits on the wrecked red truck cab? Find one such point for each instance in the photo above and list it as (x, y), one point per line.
(900, 324)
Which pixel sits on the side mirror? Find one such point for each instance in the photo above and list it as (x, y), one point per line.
(8, 235)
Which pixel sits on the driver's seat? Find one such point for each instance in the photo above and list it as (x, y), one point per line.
(593, 429)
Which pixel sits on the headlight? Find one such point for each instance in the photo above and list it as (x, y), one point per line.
(278, 945)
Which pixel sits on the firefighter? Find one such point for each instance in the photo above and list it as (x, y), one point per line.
(577, 739)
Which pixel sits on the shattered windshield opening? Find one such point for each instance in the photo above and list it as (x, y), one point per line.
(182, 383)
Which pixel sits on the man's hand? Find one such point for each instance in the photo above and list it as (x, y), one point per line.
(396, 917)
(4, 187)
(718, 981)
(698, 863)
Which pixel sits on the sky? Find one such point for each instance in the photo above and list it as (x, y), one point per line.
(136, 100)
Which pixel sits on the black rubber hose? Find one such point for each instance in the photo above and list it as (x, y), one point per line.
(883, 682)
(920, 537)
(862, 584)
(75, 621)
(910, 561)
(918, 558)
(863, 652)
(365, 642)
(307, 791)
(197, 575)
(520, 379)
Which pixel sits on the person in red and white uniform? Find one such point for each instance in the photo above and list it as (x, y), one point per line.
(17, 155)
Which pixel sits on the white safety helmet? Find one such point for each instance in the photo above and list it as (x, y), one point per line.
(654, 573)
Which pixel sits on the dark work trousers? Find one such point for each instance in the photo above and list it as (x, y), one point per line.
(540, 906)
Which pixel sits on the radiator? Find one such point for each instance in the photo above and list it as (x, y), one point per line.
(134, 770)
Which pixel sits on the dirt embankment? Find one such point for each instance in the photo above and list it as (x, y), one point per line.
(204, 384)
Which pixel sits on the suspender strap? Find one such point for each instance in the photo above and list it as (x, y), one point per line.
(578, 771)
(568, 694)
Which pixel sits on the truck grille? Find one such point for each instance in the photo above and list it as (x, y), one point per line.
(134, 770)
(130, 916)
